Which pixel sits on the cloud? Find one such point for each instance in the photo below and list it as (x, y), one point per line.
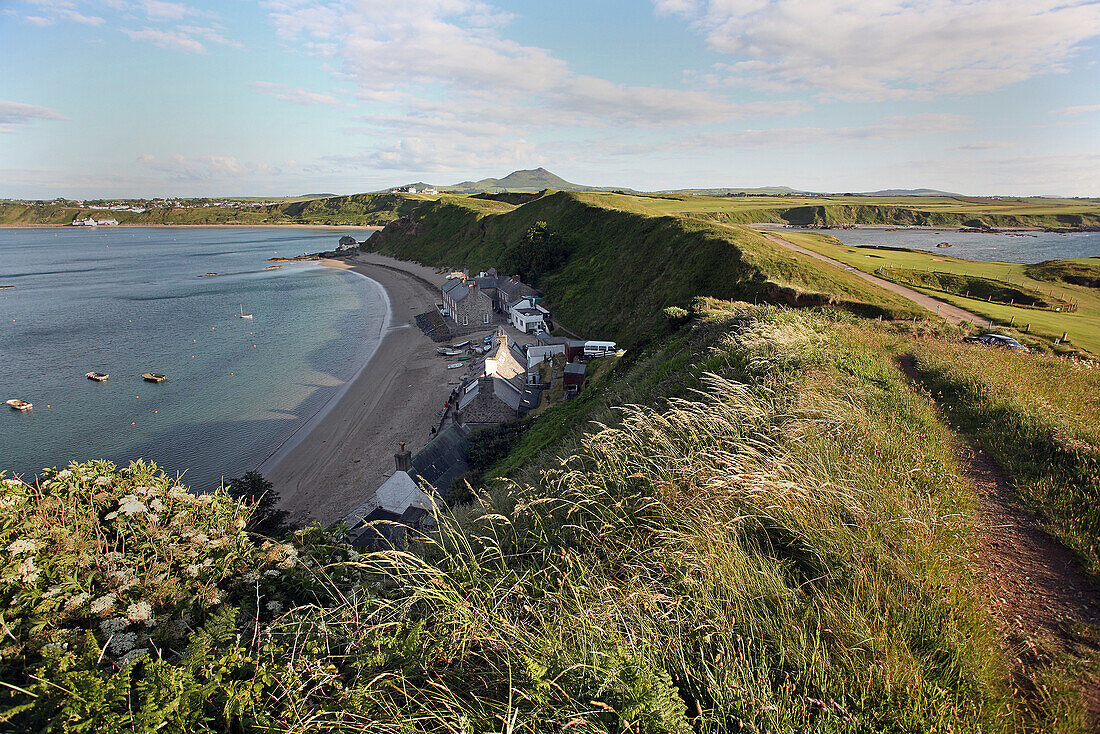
(454, 87)
(1076, 110)
(437, 154)
(986, 145)
(182, 38)
(48, 12)
(297, 95)
(889, 49)
(204, 168)
(15, 115)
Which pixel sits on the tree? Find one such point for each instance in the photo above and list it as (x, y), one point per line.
(266, 519)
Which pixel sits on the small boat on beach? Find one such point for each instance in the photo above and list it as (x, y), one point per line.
(463, 359)
(20, 404)
(242, 314)
(454, 366)
(154, 377)
(448, 352)
(97, 376)
(463, 345)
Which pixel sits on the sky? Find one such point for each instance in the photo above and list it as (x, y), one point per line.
(143, 98)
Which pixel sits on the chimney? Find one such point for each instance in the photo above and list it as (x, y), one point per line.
(502, 338)
(403, 458)
(485, 386)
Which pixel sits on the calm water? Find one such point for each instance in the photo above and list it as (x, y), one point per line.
(127, 301)
(1022, 247)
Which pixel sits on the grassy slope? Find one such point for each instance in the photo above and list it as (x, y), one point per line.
(900, 210)
(626, 262)
(359, 209)
(1082, 325)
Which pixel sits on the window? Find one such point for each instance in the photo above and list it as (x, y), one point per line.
(486, 318)
(465, 320)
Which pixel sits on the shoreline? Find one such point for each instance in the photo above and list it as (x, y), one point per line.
(343, 452)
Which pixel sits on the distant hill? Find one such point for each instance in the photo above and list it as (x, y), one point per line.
(758, 191)
(908, 192)
(530, 180)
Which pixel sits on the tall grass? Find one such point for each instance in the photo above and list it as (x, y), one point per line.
(773, 554)
(1040, 417)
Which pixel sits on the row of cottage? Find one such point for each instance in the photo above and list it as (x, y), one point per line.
(475, 301)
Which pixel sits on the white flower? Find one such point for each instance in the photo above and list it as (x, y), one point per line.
(114, 556)
(113, 626)
(200, 539)
(28, 571)
(123, 642)
(153, 519)
(213, 597)
(271, 573)
(156, 506)
(51, 592)
(64, 474)
(251, 577)
(22, 545)
(103, 481)
(193, 570)
(103, 603)
(140, 611)
(274, 607)
(78, 600)
(131, 505)
(12, 483)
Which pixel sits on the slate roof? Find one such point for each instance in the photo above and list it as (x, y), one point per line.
(575, 368)
(445, 457)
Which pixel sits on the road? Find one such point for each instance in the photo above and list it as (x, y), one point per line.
(954, 314)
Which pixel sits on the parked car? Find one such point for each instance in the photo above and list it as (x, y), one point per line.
(998, 340)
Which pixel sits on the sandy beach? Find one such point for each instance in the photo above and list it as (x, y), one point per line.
(346, 451)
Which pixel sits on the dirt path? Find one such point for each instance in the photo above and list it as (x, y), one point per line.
(954, 314)
(1038, 587)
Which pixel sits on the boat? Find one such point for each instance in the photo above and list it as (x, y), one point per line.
(454, 366)
(242, 314)
(24, 405)
(97, 376)
(943, 244)
(205, 275)
(449, 352)
(463, 359)
(154, 377)
(273, 267)
(462, 345)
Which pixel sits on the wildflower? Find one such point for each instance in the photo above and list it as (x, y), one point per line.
(272, 573)
(103, 603)
(193, 570)
(114, 556)
(64, 474)
(156, 505)
(153, 519)
(51, 592)
(103, 481)
(123, 642)
(274, 607)
(113, 626)
(28, 571)
(200, 539)
(131, 505)
(12, 483)
(212, 597)
(251, 577)
(141, 611)
(22, 545)
(77, 601)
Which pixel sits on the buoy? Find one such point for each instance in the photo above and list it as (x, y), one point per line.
(192, 341)
(253, 346)
(154, 412)
(133, 424)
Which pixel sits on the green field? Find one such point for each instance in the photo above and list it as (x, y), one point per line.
(1082, 325)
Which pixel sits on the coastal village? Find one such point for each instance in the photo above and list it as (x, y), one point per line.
(517, 367)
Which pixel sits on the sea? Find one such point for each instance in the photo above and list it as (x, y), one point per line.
(1014, 247)
(126, 301)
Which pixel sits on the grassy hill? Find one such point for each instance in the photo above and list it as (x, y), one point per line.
(617, 263)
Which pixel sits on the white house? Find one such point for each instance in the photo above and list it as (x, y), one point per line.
(528, 316)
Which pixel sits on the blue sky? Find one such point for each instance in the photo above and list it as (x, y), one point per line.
(149, 97)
